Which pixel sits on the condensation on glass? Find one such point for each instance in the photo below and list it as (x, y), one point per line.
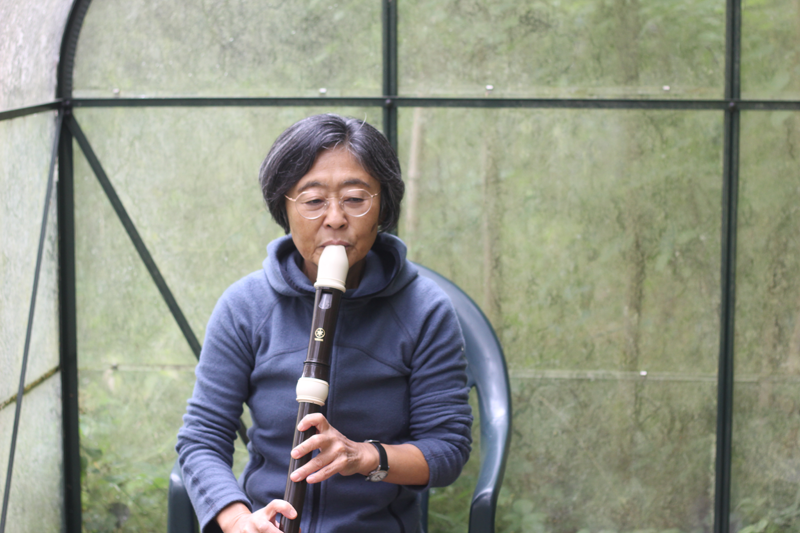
(238, 48)
(770, 50)
(591, 241)
(766, 459)
(645, 49)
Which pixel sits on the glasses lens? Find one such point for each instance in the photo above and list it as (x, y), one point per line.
(311, 204)
(356, 202)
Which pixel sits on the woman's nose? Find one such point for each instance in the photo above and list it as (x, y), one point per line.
(334, 216)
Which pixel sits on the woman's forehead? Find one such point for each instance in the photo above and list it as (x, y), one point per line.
(351, 183)
(336, 169)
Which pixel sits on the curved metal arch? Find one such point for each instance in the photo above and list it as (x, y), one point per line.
(73, 521)
(69, 45)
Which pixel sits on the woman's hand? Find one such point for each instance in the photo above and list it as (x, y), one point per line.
(337, 453)
(237, 518)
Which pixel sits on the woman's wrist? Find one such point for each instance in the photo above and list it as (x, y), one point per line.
(230, 515)
(369, 458)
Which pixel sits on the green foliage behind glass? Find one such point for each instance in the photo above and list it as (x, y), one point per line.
(568, 49)
(590, 238)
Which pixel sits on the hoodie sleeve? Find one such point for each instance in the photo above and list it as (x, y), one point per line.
(440, 415)
(205, 442)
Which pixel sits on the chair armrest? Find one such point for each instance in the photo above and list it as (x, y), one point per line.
(180, 517)
(489, 375)
(495, 439)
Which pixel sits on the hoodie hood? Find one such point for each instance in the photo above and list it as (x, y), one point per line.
(385, 273)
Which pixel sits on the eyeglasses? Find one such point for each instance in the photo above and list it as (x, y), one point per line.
(312, 205)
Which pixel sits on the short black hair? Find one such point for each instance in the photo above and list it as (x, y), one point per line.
(296, 149)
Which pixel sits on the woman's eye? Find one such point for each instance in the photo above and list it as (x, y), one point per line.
(314, 202)
(353, 200)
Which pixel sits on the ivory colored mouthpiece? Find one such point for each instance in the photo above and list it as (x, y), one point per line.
(332, 269)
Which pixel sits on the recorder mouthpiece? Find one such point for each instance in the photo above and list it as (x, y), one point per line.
(332, 269)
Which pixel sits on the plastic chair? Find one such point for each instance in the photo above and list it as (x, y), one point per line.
(486, 372)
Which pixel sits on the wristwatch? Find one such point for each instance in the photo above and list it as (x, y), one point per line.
(383, 464)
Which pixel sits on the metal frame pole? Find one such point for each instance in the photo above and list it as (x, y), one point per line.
(389, 30)
(68, 336)
(730, 194)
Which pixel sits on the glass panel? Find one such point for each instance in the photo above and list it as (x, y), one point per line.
(189, 181)
(237, 48)
(134, 362)
(25, 147)
(766, 461)
(597, 48)
(36, 501)
(607, 455)
(771, 49)
(128, 456)
(591, 240)
(122, 318)
(29, 51)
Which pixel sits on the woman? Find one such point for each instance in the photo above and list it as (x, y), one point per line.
(397, 367)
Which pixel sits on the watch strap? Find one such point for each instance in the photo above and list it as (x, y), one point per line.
(383, 460)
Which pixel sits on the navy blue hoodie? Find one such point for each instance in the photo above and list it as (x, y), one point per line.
(397, 376)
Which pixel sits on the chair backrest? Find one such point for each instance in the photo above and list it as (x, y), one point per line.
(486, 370)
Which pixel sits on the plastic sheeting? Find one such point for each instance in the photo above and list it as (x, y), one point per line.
(26, 141)
(29, 49)
(30, 41)
(26, 144)
(36, 502)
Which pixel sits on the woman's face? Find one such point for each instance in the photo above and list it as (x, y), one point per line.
(334, 172)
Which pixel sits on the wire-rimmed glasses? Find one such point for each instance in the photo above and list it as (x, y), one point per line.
(312, 205)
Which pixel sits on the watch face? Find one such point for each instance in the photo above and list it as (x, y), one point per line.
(377, 475)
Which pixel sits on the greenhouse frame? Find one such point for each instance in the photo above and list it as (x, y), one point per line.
(614, 182)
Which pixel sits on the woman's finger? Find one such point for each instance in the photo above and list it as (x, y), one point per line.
(331, 463)
(317, 442)
(327, 471)
(265, 520)
(337, 454)
(280, 506)
(317, 420)
(338, 457)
